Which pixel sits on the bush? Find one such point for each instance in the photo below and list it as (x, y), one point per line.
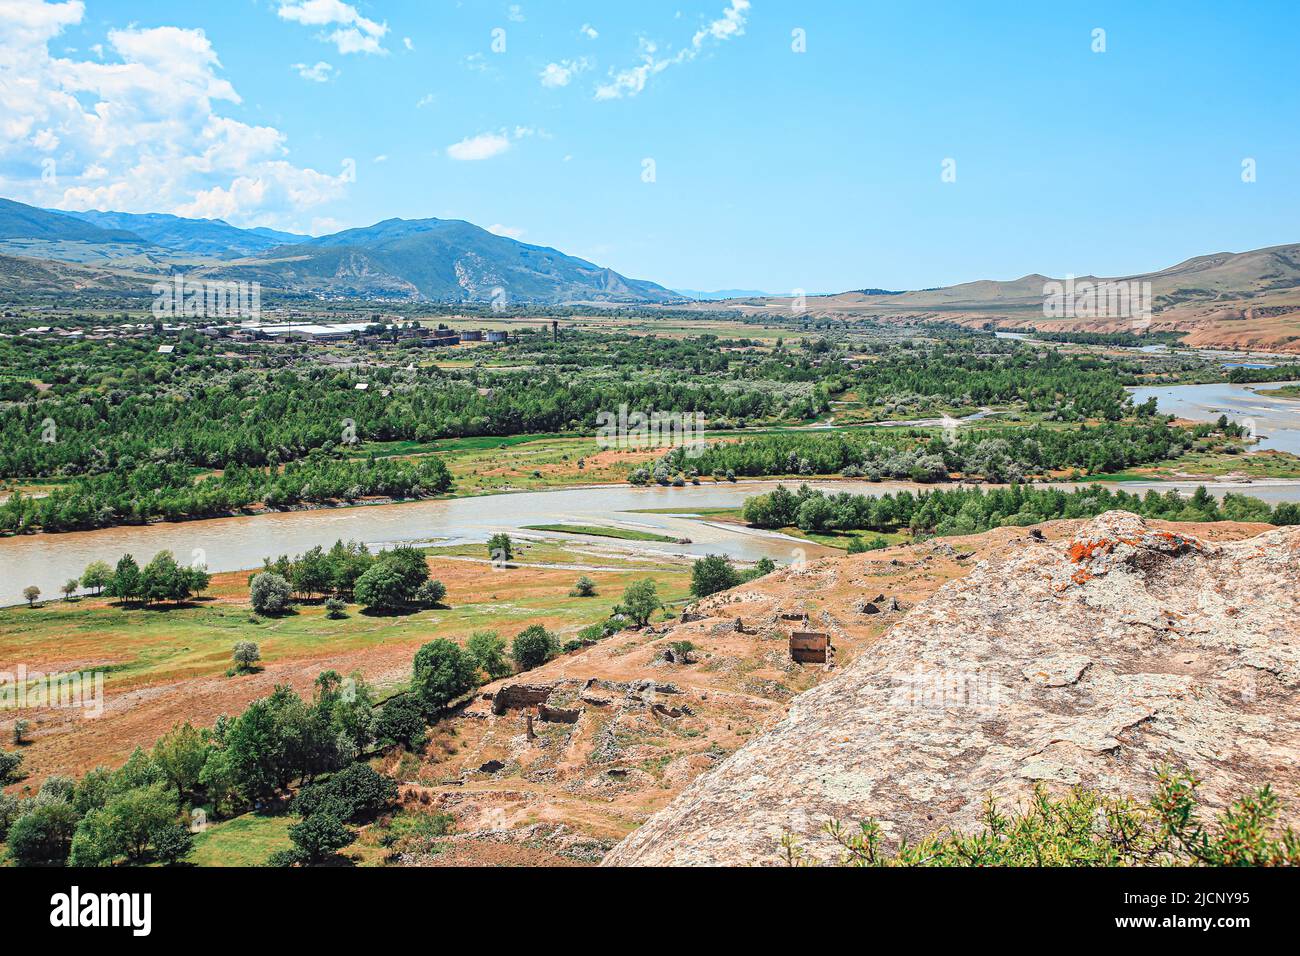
(10, 764)
(401, 722)
(533, 647)
(315, 840)
(712, 574)
(335, 609)
(583, 587)
(443, 672)
(1085, 828)
(353, 795)
(430, 594)
(43, 834)
(172, 843)
(488, 652)
(269, 593)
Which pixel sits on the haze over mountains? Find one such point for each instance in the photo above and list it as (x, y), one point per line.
(420, 260)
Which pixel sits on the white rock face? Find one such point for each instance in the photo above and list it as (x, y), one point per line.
(1088, 662)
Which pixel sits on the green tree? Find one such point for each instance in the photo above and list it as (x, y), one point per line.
(640, 601)
(487, 650)
(96, 576)
(10, 767)
(712, 574)
(126, 584)
(401, 723)
(245, 657)
(31, 593)
(70, 588)
(500, 548)
(584, 587)
(315, 840)
(269, 593)
(430, 594)
(172, 842)
(43, 834)
(180, 755)
(533, 647)
(442, 673)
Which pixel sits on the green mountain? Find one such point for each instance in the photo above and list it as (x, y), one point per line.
(19, 221)
(213, 238)
(443, 260)
(438, 260)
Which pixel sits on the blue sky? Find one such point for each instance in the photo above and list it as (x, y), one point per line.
(773, 169)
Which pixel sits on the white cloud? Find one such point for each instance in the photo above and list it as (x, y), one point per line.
(633, 80)
(352, 32)
(139, 131)
(381, 158)
(510, 232)
(406, 42)
(561, 73)
(320, 72)
(482, 146)
(588, 31)
(428, 99)
(487, 145)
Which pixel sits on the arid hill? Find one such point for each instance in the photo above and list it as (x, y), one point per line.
(1224, 300)
(1090, 660)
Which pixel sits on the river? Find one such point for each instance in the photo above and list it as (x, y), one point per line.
(229, 544)
(1276, 420)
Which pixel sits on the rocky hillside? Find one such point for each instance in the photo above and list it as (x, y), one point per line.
(1088, 660)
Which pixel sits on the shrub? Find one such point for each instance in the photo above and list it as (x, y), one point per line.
(430, 594)
(9, 767)
(354, 794)
(43, 834)
(1085, 828)
(315, 840)
(401, 722)
(488, 652)
(335, 609)
(533, 647)
(583, 587)
(269, 593)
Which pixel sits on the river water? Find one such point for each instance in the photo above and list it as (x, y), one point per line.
(228, 544)
(1276, 420)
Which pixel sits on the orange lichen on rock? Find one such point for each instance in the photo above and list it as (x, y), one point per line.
(1082, 551)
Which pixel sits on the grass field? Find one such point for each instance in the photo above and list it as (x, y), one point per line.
(627, 534)
(136, 647)
(247, 840)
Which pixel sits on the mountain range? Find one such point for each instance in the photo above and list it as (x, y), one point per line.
(435, 260)
(1226, 299)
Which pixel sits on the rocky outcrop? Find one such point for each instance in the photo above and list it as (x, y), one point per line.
(1090, 661)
